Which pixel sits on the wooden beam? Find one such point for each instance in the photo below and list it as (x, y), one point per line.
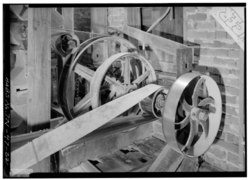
(66, 134)
(189, 164)
(56, 20)
(39, 68)
(68, 18)
(156, 42)
(100, 145)
(134, 20)
(184, 60)
(134, 17)
(84, 167)
(99, 20)
(99, 25)
(168, 160)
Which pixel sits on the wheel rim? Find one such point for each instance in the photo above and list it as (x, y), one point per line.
(192, 114)
(72, 66)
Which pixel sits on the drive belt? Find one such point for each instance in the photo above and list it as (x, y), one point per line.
(57, 139)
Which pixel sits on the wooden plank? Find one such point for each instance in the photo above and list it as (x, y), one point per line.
(154, 41)
(206, 167)
(189, 165)
(84, 167)
(167, 161)
(126, 161)
(70, 132)
(99, 24)
(99, 20)
(39, 68)
(88, 167)
(56, 20)
(151, 146)
(134, 20)
(68, 18)
(97, 146)
(39, 74)
(134, 17)
(184, 58)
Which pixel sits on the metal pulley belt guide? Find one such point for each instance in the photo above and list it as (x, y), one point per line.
(53, 141)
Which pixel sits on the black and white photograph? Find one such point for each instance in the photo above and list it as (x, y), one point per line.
(124, 90)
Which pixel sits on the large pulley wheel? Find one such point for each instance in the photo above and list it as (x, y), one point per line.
(134, 72)
(192, 114)
(83, 66)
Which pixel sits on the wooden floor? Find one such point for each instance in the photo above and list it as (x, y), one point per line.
(136, 157)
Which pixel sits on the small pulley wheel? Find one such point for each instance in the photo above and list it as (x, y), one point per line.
(192, 114)
(154, 103)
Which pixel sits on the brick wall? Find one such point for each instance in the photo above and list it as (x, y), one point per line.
(218, 53)
(117, 17)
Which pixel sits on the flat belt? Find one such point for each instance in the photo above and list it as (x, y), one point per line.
(66, 134)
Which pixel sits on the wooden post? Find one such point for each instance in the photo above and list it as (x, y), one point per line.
(167, 161)
(99, 25)
(39, 75)
(134, 20)
(68, 18)
(39, 68)
(99, 20)
(134, 17)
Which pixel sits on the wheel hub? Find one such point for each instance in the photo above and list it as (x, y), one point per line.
(198, 114)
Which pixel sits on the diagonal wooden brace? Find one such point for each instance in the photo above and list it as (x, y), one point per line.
(53, 141)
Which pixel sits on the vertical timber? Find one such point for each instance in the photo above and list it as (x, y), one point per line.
(99, 25)
(68, 18)
(39, 67)
(39, 75)
(134, 20)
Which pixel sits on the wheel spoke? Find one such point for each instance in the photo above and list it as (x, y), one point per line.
(205, 91)
(127, 75)
(206, 101)
(196, 91)
(192, 132)
(83, 104)
(204, 125)
(114, 82)
(183, 123)
(141, 78)
(186, 107)
(84, 72)
(180, 111)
